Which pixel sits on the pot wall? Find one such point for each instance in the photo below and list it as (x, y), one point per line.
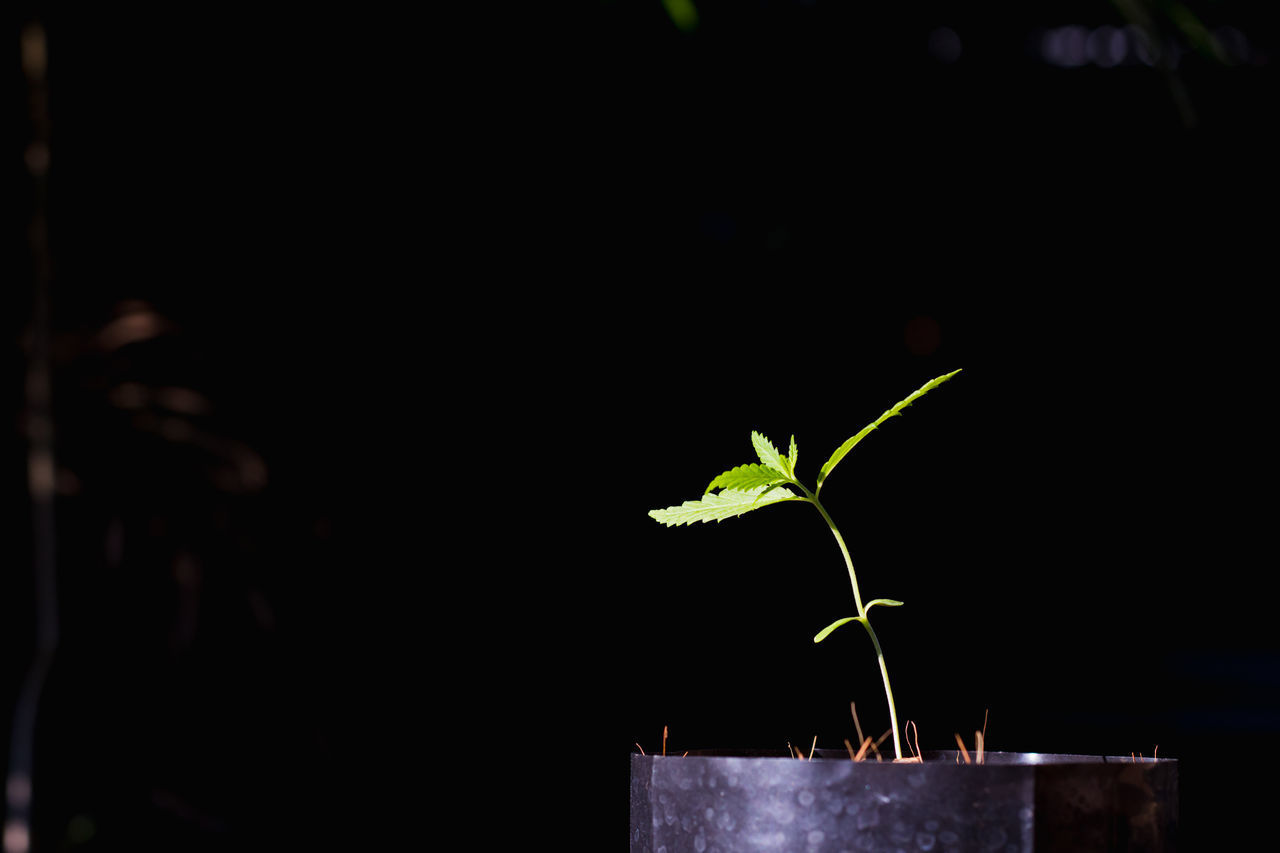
(1014, 802)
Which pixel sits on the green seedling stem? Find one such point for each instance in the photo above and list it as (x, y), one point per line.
(862, 616)
(752, 486)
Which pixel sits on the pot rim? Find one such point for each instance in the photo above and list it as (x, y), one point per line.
(993, 758)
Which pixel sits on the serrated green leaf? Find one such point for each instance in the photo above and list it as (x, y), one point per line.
(793, 457)
(769, 454)
(893, 411)
(745, 477)
(826, 632)
(721, 505)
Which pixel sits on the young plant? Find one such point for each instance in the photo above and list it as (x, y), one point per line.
(752, 486)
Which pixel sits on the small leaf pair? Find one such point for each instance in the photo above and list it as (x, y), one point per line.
(826, 632)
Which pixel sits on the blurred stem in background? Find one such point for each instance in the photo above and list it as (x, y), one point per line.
(1165, 23)
(41, 468)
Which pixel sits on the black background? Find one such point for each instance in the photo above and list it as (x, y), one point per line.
(479, 295)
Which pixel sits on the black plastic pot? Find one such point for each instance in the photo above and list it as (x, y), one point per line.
(723, 802)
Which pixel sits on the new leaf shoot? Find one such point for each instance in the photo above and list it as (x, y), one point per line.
(894, 411)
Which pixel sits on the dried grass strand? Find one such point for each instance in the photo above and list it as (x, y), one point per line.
(875, 745)
(857, 726)
(916, 755)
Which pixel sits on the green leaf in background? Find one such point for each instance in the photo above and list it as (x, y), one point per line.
(684, 14)
(721, 505)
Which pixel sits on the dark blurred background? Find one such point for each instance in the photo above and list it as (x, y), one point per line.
(371, 341)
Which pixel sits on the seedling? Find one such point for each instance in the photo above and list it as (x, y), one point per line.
(752, 486)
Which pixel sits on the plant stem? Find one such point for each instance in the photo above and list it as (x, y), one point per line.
(862, 614)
